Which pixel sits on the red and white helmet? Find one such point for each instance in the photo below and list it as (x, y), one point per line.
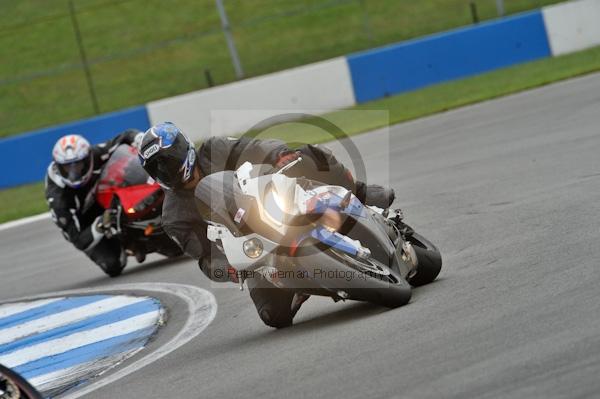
(73, 160)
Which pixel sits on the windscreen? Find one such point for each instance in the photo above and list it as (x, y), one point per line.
(123, 169)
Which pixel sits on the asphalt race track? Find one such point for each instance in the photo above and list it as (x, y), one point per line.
(509, 189)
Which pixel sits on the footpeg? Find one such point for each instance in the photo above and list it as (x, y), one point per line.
(399, 215)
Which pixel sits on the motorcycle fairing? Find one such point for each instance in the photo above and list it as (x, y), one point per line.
(124, 177)
(128, 196)
(324, 198)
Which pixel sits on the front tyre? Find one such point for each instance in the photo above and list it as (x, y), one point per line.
(389, 290)
(361, 280)
(430, 260)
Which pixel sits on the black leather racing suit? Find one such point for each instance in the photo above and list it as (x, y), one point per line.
(184, 225)
(75, 210)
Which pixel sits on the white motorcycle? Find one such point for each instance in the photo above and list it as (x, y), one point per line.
(313, 238)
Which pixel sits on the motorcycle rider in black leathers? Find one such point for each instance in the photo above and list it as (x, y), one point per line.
(70, 192)
(171, 159)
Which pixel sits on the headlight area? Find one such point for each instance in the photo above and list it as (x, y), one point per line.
(241, 252)
(253, 248)
(275, 207)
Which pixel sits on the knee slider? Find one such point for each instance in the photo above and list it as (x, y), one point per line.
(274, 321)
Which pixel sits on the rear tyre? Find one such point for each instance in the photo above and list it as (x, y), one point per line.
(430, 260)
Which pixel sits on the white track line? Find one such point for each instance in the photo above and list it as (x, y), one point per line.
(77, 340)
(24, 221)
(201, 310)
(11, 309)
(67, 317)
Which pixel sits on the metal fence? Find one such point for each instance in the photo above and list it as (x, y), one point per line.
(69, 59)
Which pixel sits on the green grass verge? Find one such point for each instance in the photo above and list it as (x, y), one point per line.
(22, 201)
(143, 50)
(28, 200)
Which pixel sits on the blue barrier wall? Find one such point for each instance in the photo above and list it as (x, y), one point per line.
(25, 157)
(459, 53)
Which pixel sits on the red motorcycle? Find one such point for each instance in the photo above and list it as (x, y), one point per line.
(125, 188)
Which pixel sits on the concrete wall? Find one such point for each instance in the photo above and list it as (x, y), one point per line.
(573, 26)
(322, 86)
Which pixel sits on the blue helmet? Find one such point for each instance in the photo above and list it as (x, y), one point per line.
(168, 155)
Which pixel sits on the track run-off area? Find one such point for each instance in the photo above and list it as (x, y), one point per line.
(508, 189)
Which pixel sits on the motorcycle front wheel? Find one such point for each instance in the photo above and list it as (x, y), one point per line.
(354, 278)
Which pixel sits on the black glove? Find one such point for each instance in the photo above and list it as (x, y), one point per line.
(285, 157)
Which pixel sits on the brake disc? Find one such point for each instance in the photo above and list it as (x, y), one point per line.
(368, 265)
